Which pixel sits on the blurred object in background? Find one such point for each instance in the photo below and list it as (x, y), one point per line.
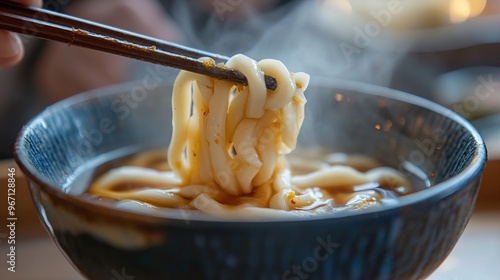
(447, 49)
(408, 45)
(424, 13)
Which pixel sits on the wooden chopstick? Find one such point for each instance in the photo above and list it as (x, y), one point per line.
(54, 26)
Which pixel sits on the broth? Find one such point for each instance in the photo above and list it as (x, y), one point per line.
(338, 199)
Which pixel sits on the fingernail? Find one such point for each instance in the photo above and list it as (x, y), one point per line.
(11, 45)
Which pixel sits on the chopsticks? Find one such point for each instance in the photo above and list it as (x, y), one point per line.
(54, 26)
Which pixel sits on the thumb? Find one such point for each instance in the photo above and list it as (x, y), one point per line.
(11, 48)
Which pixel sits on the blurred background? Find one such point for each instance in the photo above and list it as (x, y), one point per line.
(447, 51)
(443, 50)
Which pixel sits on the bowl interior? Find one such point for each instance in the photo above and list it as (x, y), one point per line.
(427, 142)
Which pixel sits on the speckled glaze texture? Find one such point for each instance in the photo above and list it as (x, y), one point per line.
(404, 241)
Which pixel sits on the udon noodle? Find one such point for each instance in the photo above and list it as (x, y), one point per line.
(227, 153)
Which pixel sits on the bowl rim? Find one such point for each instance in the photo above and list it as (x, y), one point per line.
(470, 173)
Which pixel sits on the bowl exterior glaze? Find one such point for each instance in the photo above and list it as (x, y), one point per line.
(404, 241)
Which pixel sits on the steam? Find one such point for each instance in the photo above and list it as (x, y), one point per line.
(309, 36)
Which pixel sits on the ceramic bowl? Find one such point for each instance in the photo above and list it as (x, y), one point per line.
(60, 147)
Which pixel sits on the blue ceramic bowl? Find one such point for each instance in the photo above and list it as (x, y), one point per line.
(59, 149)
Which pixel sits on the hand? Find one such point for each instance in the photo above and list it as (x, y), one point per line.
(64, 70)
(11, 47)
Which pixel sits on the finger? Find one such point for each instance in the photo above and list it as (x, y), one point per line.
(37, 3)
(11, 49)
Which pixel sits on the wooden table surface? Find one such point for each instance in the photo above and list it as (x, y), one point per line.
(476, 255)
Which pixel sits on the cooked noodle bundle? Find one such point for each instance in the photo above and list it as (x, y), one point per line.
(235, 136)
(227, 150)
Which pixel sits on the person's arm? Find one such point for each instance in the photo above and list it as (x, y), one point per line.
(11, 47)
